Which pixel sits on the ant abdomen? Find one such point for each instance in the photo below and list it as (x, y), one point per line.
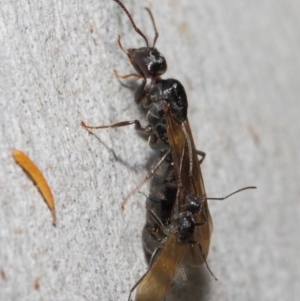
(161, 199)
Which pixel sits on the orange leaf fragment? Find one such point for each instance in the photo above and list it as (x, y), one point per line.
(37, 177)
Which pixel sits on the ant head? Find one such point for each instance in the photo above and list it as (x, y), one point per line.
(147, 61)
(186, 226)
(192, 203)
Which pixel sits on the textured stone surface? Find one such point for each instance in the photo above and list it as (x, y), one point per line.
(239, 62)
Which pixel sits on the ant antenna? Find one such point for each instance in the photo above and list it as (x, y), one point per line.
(154, 25)
(132, 22)
(221, 199)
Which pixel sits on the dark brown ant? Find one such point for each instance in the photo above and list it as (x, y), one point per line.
(177, 237)
(165, 100)
(170, 205)
(150, 63)
(157, 96)
(171, 239)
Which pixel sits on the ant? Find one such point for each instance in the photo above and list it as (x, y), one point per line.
(177, 209)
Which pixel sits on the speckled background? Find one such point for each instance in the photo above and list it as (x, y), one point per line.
(240, 64)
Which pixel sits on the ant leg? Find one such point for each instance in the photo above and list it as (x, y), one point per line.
(140, 92)
(202, 154)
(137, 123)
(148, 176)
(155, 253)
(161, 225)
(118, 76)
(204, 257)
(138, 282)
(153, 256)
(147, 97)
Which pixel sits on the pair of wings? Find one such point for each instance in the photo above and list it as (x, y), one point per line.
(182, 142)
(158, 280)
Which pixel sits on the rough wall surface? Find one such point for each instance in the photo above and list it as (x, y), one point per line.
(239, 62)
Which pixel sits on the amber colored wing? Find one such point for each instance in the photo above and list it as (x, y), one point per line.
(181, 141)
(157, 282)
(202, 233)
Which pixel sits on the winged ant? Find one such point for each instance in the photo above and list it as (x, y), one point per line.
(178, 214)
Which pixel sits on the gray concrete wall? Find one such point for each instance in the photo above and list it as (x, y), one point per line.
(239, 62)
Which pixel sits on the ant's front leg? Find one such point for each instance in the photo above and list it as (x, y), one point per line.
(141, 91)
(119, 77)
